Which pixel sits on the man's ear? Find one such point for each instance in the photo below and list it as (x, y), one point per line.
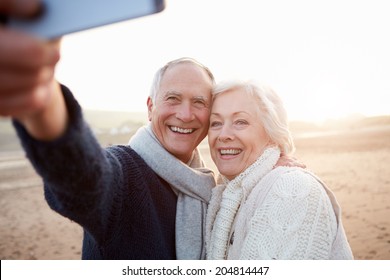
(150, 108)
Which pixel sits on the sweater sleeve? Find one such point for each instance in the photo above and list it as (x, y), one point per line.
(79, 176)
(295, 221)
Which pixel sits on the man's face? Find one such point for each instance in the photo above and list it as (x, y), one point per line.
(181, 111)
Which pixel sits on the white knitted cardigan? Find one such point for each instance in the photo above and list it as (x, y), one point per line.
(282, 213)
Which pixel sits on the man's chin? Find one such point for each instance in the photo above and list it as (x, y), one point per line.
(184, 154)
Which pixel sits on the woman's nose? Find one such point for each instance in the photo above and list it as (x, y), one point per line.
(225, 134)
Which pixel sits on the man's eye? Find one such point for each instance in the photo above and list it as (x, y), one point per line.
(200, 103)
(172, 98)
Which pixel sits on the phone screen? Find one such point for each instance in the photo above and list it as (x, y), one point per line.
(61, 17)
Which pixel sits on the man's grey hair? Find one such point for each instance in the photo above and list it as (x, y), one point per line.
(160, 74)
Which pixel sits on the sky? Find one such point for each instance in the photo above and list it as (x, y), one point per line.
(326, 59)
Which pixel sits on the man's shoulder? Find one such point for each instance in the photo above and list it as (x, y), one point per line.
(133, 166)
(125, 154)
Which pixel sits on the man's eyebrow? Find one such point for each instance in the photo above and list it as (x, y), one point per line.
(200, 98)
(234, 113)
(172, 92)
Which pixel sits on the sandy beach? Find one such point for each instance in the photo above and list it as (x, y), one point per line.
(355, 164)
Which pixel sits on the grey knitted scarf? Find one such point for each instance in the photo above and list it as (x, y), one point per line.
(192, 183)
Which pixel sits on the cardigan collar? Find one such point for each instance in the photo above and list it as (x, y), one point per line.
(226, 200)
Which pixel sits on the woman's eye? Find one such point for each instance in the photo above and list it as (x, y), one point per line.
(215, 124)
(241, 122)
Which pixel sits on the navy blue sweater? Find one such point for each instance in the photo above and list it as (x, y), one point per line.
(126, 210)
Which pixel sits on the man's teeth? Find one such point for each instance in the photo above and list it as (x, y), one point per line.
(230, 152)
(182, 130)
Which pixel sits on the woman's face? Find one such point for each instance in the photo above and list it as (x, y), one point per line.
(236, 135)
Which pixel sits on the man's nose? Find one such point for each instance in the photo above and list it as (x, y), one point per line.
(185, 113)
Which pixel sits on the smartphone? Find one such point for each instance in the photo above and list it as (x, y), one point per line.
(61, 17)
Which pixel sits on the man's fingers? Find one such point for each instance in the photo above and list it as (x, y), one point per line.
(24, 104)
(14, 80)
(19, 50)
(20, 8)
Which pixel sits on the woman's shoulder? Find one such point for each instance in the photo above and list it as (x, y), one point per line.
(296, 182)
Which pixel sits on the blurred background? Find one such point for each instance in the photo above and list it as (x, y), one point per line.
(328, 60)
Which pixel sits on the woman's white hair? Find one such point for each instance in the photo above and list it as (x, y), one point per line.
(273, 115)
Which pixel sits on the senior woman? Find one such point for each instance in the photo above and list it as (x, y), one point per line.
(258, 211)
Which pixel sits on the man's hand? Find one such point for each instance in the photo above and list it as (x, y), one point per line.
(26, 73)
(19, 8)
(28, 90)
